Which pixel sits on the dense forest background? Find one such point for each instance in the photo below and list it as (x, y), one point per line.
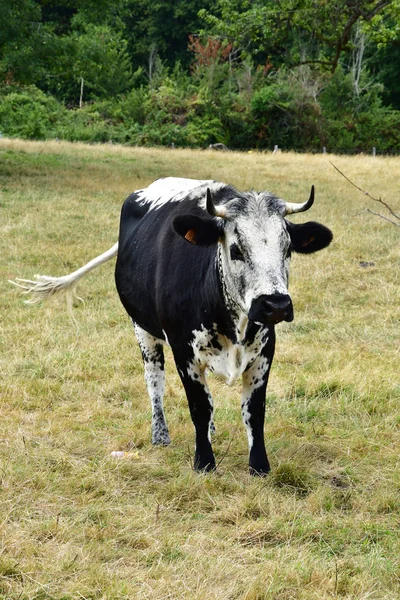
(301, 74)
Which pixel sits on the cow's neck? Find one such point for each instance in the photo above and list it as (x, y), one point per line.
(230, 302)
(237, 316)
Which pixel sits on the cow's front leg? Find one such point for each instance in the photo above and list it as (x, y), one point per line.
(255, 380)
(201, 410)
(153, 359)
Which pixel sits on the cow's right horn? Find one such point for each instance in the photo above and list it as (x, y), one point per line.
(293, 207)
(214, 211)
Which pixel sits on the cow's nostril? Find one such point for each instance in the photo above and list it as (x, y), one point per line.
(277, 304)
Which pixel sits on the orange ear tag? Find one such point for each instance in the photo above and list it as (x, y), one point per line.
(191, 236)
(308, 242)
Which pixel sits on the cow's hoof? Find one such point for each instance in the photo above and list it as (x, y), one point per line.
(161, 439)
(259, 471)
(204, 467)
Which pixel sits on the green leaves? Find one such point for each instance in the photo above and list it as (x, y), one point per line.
(102, 60)
(289, 32)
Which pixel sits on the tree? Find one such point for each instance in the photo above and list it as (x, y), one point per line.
(20, 20)
(102, 61)
(163, 26)
(295, 32)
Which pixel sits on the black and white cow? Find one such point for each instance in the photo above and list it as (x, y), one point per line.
(204, 268)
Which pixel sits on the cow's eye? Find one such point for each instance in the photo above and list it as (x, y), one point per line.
(236, 253)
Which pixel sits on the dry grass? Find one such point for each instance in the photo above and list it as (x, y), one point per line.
(76, 523)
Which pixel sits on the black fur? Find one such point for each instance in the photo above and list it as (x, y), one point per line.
(166, 283)
(206, 231)
(309, 237)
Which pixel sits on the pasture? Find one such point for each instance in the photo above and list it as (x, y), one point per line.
(79, 523)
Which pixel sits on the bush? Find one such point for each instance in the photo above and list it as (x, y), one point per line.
(358, 121)
(286, 113)
(296, 110)
(161, 134)
(28, 113)
(205, 131)
(134, 107)
(77, 129)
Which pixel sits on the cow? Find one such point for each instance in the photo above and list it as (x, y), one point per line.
(204, 268)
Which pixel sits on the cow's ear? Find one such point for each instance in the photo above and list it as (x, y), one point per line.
(309, 237)
(197, 230)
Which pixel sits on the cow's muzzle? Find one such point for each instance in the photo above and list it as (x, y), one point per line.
(271, 309)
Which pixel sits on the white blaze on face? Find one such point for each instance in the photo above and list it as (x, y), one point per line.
(262, 243)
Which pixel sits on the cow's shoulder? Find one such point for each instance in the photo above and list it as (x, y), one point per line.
(133, 207)
(173, 191)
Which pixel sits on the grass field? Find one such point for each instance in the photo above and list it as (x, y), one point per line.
(78, 523)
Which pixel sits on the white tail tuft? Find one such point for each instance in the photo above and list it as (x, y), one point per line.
(43, 286)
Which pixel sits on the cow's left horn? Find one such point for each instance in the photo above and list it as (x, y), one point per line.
(293, 207)
(214, 211)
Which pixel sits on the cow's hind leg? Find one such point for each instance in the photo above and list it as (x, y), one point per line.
(153, 359)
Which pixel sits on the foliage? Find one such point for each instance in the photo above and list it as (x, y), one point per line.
(102, 61)
(18, 19)
(301, 32)
(286, 112)
(28, 113)
(163, 27)
(384, 65)
(248, 74)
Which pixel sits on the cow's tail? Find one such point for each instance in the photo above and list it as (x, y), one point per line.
(43, 286)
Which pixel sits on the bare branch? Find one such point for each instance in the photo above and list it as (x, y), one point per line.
(385, 204)
(351, 21)
(383, 217)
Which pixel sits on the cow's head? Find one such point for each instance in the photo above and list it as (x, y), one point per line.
(255, 242)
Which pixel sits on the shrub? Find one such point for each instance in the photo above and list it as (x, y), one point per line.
(28, 113)
(134, 106)
(205, 131)
(286, 112)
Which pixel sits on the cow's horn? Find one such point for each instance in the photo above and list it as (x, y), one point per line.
(293, 207)
(214, 211)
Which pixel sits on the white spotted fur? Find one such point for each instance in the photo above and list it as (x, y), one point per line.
(231, 361)
(155, 383)
(253, 378)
